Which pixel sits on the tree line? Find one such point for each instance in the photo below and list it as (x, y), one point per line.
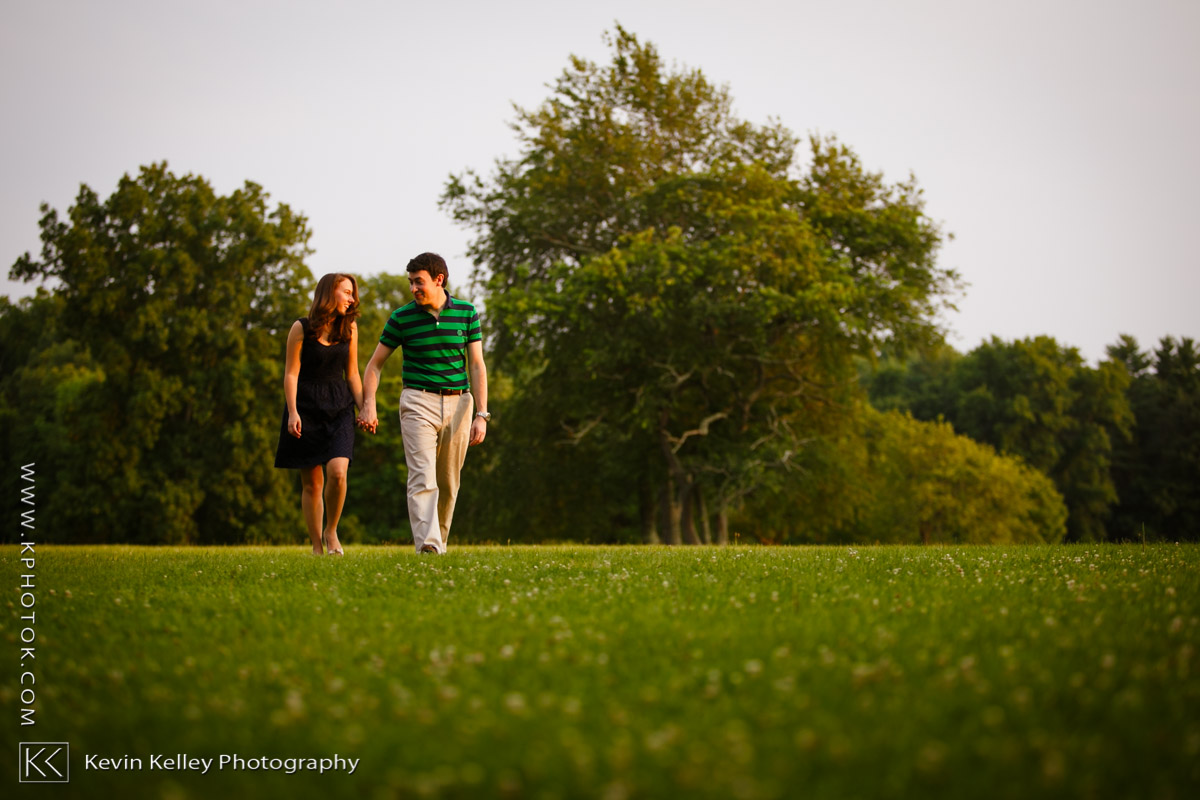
(692, 337)
(1120, 441)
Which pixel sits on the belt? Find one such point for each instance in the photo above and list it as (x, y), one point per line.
(436, 391)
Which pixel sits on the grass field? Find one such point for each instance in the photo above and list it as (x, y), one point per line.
(742, 672)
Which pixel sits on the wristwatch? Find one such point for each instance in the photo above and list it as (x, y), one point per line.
(485, 414)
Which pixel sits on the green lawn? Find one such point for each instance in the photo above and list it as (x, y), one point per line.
(741, 672)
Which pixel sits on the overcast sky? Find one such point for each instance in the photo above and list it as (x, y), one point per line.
(1057, 140)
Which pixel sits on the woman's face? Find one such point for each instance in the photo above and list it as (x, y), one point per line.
(343, 295)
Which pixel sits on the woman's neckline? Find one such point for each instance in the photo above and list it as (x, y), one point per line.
(317, 338)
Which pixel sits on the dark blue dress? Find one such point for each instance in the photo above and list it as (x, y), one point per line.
(325, 404)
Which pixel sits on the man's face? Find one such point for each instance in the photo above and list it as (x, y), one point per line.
(423, 286)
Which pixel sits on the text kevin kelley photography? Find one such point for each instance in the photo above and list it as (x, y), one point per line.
(184, 763)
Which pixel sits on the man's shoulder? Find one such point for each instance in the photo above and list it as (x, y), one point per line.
(405, 310)
(397, 323)
(465, 307)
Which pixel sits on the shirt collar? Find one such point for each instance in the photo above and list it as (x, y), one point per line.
(434, 312)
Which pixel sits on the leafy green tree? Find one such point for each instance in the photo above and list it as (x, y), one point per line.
(1035, 399)
(153, 404)
(894, 479)
(919, 381)
(593, 159)
(677, 311)
(1157, 471)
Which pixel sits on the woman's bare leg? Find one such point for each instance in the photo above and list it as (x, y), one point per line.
(313, 481)
(335, 499)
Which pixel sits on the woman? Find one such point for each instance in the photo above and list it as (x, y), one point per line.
(321, 387)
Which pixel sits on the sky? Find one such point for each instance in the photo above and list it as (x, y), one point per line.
(1057, 142)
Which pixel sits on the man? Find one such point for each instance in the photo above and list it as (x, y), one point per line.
(439, 416)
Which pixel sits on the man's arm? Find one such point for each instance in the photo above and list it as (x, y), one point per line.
(479, 390)
(367, 416)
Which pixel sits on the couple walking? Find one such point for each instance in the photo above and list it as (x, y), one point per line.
(440, 417)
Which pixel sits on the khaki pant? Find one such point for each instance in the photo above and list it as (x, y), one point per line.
(436, 429)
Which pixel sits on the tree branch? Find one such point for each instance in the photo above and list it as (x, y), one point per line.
(576, 435)
(679, 378)
(677, 442)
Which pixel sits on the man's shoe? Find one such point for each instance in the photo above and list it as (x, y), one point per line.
(428, 548)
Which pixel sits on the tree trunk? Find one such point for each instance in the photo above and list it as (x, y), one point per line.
(672, 513)
(687, 523)
(649, 513)
(722, 525)
(705, 523)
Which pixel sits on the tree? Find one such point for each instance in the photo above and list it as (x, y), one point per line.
(891, 478)
(1157, 470)
(153, 409)
(674, 307)
(1035, 399)
(594, 157)
(918, 381)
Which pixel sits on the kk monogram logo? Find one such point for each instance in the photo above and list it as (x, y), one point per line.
(44, 762)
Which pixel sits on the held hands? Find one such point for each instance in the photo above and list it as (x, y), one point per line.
(368, 420)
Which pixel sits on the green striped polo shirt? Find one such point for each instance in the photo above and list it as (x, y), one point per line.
(435, 349)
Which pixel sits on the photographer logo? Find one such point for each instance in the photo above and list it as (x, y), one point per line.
(44, 762)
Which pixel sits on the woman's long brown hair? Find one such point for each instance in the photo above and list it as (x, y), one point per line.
(323, 313)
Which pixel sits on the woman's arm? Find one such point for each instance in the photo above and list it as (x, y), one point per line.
(352, 374)
(291, 375)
